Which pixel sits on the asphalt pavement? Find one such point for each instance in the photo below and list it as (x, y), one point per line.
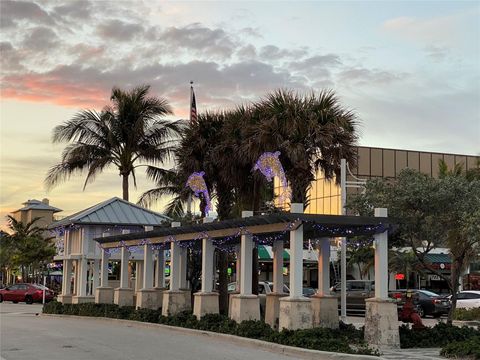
(27, 336)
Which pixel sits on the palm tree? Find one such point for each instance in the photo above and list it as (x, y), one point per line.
(126, 134)
(312, 132)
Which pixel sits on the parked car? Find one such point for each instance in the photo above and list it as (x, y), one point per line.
(468, 299)
(427, 302)
(357, 292)
(28, 293)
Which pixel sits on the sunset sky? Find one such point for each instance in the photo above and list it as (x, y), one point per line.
(409, 69)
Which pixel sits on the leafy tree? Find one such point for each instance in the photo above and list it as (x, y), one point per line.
(430, 213)
(27, 248)
(126, 134)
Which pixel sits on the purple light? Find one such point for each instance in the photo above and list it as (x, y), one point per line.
(270, 166)
(198, 186)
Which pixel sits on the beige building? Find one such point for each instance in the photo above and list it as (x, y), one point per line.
(36, 209)
(375, 162)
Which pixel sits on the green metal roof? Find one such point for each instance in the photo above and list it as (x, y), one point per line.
(438, 258)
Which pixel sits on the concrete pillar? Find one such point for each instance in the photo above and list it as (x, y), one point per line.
(295, 310)
(96, 273)
(183, 268)
(324, 306)
(272, 304)
(138, 275)
(160, 270)
(206, 301)
(176, 300)
(381, 318)
(66, 296)
(245, 306)
(123, 295)
(147, 296)
(238, 268)
(104, 293)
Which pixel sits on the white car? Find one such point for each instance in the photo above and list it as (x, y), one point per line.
(468, 299)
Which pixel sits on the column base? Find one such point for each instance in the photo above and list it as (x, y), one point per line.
(82, 299)
(325, 311)
(230, 295)
(245, 307)
(64, 299)
(295, 313)
(104, 295)
(205, 303)
(175, 301)
(148, 299)
(381, 323)
(272, 309)
(160, 292)
(123, 296)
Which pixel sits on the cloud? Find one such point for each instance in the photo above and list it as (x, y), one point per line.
(272, 52)
(364, 76)
(41, 39)
(199, 38)
(119, 30)
(80, 9)
(12, 12)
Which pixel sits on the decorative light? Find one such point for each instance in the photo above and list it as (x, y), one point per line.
(196, 182)
(270, 166)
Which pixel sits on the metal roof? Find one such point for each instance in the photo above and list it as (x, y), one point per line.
(114, 211)
(314, 226)
(34, 204)
(438, 258)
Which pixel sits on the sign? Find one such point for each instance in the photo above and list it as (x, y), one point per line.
(229, 271)
(399, 276)
(434, 277)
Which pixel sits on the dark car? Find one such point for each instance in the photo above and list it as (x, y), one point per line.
(357, 292)
(427, 302)
(28, 293)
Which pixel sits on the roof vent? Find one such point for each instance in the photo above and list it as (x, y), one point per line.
(46, 201)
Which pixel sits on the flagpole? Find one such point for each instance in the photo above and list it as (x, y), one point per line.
(189, 200)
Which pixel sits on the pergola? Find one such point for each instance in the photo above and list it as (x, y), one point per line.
(291, 311)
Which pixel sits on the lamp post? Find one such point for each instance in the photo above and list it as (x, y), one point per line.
(344, 184)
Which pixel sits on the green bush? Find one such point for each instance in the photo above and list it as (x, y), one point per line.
(437, 336)
(467, 314)
(468, 349)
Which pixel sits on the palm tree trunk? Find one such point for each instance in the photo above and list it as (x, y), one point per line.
(125, 186)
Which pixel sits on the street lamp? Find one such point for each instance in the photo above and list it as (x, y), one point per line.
(344, 184)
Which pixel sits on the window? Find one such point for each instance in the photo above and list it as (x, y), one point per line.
(472, 296)
(356, 286)
(461, 296)
(261, 289)
(13, 287)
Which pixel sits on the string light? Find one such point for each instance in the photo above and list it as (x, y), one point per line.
(197, 184)
(270, 166)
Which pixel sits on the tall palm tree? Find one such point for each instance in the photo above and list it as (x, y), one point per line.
(312, 132)
(129, 133)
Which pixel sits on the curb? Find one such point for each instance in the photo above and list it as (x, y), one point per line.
(466, 323)
(238, 340)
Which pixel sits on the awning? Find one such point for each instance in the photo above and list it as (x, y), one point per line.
(265, 253)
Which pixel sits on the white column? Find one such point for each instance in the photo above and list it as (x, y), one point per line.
(82, 277)
(183, 268)
(75, 277)
(296, 255)
(175, 263)
(160, 270)
(324, 267)
(104, 269)
(343, 242)
(67, 273)
(238, 268)
(278, 266)
(96, 273)
(147, 267)
(381, 259)
(138, 275)
(124, 256)
(246, 249)
(208, 251)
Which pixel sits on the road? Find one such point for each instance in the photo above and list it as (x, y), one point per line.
(25, 336)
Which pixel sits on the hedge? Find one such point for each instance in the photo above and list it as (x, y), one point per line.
(346, 339)
(468, 349)
(467, 314)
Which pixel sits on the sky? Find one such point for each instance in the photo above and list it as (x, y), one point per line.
(409, 69)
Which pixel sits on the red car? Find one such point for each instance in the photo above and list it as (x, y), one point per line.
(28, 293)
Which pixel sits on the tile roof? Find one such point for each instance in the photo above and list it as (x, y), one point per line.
(114, 211)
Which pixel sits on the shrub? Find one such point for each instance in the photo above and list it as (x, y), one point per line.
(145, 315)
(439, 335)
(53, 307)
(468, 349)
(467, 314)
(254, 329)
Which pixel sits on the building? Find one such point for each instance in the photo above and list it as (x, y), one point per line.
(372, 162)
(36, 209)
(80, 255)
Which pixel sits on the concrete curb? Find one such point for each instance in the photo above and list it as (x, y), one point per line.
(466, 323)
(238, 340)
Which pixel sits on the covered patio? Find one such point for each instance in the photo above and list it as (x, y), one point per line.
(283, 230)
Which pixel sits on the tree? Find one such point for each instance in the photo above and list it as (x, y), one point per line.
(312, 132)
(126, 134)
(28, 249)
(430, 213)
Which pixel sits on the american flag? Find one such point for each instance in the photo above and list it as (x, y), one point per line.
(193, 106)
